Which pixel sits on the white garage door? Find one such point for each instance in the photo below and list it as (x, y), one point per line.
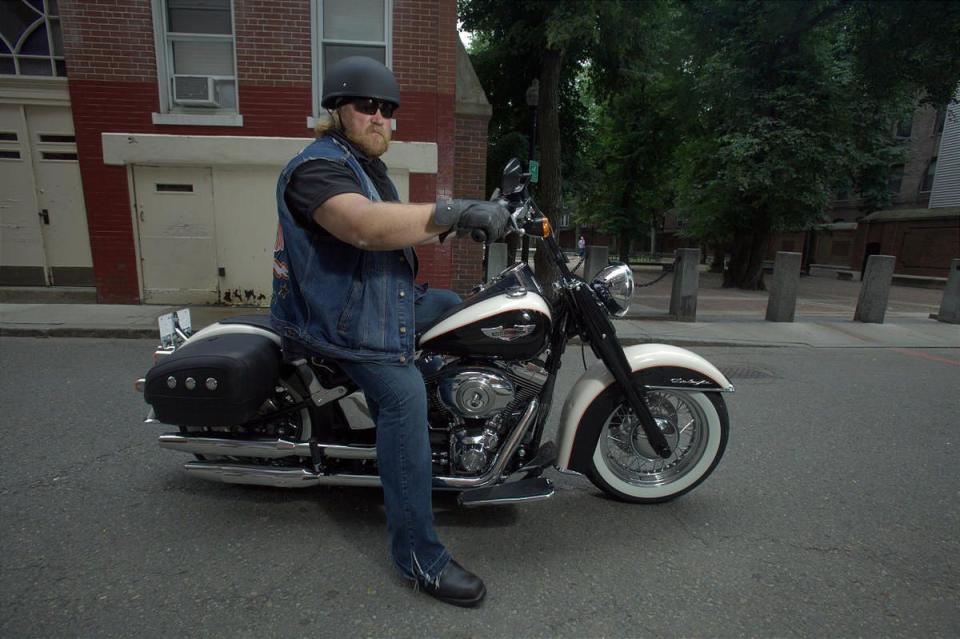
(175, 222)
(43, 221)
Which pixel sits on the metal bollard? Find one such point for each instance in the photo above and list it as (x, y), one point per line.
(686, 281)
(782, 303)
(950, 306)
(596, 259)
(875, 289)
(497, 260)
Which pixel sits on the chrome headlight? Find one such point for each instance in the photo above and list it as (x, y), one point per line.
(614, 286)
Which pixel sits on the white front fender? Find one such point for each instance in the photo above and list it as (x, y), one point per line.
(598, 377)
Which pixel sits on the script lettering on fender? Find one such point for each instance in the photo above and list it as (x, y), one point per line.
(691, 382)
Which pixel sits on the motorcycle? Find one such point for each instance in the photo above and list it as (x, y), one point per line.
(645, 423)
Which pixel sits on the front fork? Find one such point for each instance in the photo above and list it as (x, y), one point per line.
(603, 340)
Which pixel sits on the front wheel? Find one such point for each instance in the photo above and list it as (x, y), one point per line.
(625, 466)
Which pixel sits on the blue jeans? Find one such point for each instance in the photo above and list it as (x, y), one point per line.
(397, 399)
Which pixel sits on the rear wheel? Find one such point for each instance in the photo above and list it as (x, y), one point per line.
(624, 464)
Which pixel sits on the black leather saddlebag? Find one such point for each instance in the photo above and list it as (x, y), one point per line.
(217, 381)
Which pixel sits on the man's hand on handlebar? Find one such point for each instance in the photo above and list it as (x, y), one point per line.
(484, 221)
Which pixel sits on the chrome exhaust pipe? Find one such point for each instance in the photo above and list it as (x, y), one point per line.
(303, 478)
(272, 476)
(265, 448)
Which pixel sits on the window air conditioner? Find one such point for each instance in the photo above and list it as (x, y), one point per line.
(194, 90)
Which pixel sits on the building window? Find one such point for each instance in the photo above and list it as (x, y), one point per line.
(905, 127)
(927, 185)
(895, 180)
(31, 42)
(196, 56)
(343, 28)
(941, 118)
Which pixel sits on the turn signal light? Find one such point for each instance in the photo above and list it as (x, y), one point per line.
(538, 228)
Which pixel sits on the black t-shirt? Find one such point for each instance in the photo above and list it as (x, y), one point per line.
(316, 181)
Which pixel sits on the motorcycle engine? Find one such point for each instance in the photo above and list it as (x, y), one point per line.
(473, 407)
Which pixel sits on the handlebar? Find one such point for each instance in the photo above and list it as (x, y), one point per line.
(514, 225)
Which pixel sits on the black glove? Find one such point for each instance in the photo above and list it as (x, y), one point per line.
(484, 221)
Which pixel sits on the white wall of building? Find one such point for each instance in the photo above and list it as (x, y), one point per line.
(170, 175)
(946, 181)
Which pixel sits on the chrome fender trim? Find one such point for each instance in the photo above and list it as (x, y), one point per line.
(597, 378)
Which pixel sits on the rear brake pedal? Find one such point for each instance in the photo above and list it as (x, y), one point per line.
(546, 456)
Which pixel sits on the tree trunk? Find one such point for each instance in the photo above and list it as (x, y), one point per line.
(549, 188)
(623, 243)
(719, 255)
(746, 261)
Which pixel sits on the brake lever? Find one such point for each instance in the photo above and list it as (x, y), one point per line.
(516, 225)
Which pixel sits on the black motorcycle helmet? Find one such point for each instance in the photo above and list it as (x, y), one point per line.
(359, 77)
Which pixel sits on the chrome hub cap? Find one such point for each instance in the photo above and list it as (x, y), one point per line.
(628, 453)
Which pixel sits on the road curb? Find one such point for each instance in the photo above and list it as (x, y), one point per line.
(635, 341)
(146, 333)
(114, 333)
(151, 333)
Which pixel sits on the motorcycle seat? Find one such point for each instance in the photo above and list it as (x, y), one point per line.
(260, 321)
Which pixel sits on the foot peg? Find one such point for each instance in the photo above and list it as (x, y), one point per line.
(546, 456)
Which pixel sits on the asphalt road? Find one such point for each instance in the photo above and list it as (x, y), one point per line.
(833, 514)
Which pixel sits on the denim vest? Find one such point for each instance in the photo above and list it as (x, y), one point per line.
(334, 298)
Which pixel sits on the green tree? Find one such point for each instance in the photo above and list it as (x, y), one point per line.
(522, 40)
(516, 42)
(638, 109)
(790, 105)
(746, 115)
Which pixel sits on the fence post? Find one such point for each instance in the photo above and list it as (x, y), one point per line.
(875, 289)
(497, 260)
(782, 303)
(596, 259)
(950, 306)
(686, 280)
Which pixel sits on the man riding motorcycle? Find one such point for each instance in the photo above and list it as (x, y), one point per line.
(343, 288)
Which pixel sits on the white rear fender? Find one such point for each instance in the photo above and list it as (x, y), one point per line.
(662, 366)
(233, 329)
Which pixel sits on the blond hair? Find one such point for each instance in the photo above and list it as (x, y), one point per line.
(325, 122)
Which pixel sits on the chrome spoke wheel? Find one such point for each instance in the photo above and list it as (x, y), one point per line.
(628, 455)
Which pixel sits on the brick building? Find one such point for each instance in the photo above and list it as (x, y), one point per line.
(912, 181)
(163, 125)
(923, 238)
(917, 227)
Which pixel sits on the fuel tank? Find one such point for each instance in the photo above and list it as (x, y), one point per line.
(508, 319)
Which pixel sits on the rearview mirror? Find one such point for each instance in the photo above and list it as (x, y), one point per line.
(512, 181)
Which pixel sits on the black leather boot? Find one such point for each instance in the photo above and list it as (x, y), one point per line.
(456, 586)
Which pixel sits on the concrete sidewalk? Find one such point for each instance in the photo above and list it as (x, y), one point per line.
(726, 317)
(824, 317)
(903, 332)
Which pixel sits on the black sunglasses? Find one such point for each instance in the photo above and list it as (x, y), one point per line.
(369, 106)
